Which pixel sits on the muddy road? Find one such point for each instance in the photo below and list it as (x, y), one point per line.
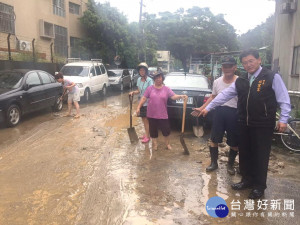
(60, 170)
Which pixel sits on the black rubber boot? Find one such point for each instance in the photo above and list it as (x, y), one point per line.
(231, 159)
(214, 159)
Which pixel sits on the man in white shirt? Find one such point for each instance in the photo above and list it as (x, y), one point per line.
(225, 117)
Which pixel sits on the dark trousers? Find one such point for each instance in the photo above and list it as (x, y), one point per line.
(254, 152)
(159, 124)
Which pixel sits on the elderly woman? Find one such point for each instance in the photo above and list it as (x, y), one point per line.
(157, 114)
(143, 83)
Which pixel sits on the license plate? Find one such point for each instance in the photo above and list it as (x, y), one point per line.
(189, 101)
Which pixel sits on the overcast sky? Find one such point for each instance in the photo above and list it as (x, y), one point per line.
(241, 14)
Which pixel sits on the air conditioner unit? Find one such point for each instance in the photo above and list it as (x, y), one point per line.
(24, 45)
(288, 7)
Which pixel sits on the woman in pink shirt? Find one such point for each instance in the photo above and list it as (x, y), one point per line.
(157, 114)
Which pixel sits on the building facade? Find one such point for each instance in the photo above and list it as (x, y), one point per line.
(286, 54)
(49, 27)
(164, 60)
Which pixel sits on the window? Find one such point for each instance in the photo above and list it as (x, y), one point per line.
(61, 41)
(52, 79)
(74, 8)
(98, 71)
(46, 29)
(7, 19)
(74, 42)
(33, 79)
(125, 73)
(75, 50)
(45, 78)
(102, 69)
(59, 8)
(296, 61)
(93, 72)
(82, 71)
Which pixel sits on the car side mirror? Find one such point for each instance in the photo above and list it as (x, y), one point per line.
(26, 87)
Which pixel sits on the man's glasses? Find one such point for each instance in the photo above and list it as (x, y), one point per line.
(250, 62)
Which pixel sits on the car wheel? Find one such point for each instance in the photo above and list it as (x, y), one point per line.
(87, 95)
(13, 115)
(104, 90)
(58, 104)
(122, 86)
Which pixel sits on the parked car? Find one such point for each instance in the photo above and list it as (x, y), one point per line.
(134, 76)
(90, 76)
(196, 87)
(24, 91)
(151, 71)
(119, 78)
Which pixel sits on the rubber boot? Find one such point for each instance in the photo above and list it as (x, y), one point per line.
(231, 159)
(214, 159)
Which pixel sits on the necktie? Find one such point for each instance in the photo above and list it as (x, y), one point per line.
(252, 78)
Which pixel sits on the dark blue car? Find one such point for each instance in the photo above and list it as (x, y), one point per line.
(23, 91)
(198, 90)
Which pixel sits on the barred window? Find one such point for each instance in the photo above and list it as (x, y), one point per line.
(7, 19)
(59, 8)
(61, 41)
(296, 61)
(74, 42)
(74, 8)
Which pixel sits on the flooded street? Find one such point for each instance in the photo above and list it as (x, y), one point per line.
(60, 170)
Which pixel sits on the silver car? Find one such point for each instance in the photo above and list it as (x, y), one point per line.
(119, 78)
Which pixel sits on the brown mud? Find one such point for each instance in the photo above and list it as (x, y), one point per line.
(62, 170)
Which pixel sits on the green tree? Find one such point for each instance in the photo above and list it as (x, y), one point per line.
(262, 36)
(184, 33)
(109, 34)
(195, 30)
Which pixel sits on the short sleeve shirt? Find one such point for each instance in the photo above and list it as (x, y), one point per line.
(68, 83)
(218, 86)
(157, 104)
(142, 86)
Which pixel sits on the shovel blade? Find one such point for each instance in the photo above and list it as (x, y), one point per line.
(132, 135)
(186, 151)
(198, 131)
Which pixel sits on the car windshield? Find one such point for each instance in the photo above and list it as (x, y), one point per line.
(186, 81)
(10, 79)
(114, 73)
(82, 71)
(152, 69)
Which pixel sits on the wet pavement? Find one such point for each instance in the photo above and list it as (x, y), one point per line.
(61, 170)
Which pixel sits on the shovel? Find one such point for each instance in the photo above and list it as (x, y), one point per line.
(186, 151)
(131, 130)
(197, 130)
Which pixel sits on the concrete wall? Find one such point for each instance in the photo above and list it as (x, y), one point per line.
(49, 67)
(287, 36)
(27, 24)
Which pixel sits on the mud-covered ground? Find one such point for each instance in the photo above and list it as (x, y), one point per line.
(60, 170)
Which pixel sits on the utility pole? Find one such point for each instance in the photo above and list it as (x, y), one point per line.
(141, 12)
(141, 41)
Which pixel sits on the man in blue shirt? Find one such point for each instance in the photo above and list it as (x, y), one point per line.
(259, 92)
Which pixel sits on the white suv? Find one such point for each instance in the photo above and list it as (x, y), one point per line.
(90, 76)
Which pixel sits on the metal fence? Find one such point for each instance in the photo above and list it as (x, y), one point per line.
(21, 48)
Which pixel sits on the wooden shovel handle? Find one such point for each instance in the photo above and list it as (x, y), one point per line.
(183, 115)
